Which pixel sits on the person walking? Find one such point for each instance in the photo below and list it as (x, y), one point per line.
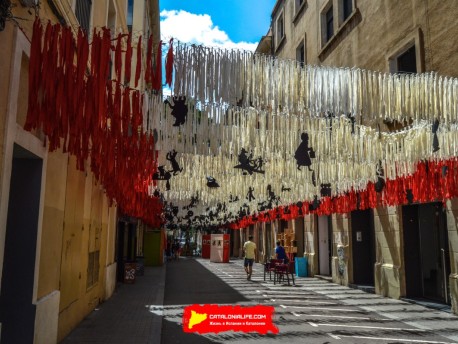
(249, 248)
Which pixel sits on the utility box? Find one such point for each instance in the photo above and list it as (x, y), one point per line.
(301, 266)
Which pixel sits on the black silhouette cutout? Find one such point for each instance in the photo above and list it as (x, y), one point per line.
(221, 207)
(435, 138)
(283, 188)
(248, 164)
(325, 190)
(299, 206)
(250, 195)
(315, 204)
(286, 210)
(304, 155)
(380, 184)
(352, 121)
(271, 199)
(162, 174)
(175, 167)
(179, 110)
(233, 199)
(193, 203)
(409, 196)
(212, 183)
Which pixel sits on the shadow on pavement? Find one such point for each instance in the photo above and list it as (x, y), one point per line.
(187, 283)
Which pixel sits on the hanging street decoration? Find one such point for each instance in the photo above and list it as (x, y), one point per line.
(248, 164)
(179, 110)
(250, 195)
(380, 184)
(434, 129)
(212, 183)
(304, 155)
(175, 166)
(312, 133)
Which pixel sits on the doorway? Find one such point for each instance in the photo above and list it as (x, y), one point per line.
(363, 246)
(17, 312)
(324, 245)
(126, 243)
(426, 245)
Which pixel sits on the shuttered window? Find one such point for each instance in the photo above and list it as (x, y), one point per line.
(92, 269)
(83, 13)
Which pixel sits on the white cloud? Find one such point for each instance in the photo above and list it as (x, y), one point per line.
(197, 29)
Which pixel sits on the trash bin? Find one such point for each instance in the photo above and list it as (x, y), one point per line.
(129, 272)
(301, 267)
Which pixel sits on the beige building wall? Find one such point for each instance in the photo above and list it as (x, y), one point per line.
(75, 264)
(311, 244)
(389, 242)
(342, 264)
(452, 223)
(371, 38)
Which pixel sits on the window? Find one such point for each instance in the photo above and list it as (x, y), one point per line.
(347, 9)
(130, 14)
(280, 28)
(83, 13)
(298, 5)
(329, 18)
(407, 61)
(300, 53)
(92, 269)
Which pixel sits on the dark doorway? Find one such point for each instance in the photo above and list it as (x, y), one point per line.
(427, 263)
(324, 244)
(363, 246)
(126, 244)
(17, 312)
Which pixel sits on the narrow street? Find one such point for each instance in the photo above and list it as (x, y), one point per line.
(312, 311)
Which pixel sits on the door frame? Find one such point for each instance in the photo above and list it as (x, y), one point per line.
(15, 134)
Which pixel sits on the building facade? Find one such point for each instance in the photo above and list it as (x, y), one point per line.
(57, 226)
(403, 251)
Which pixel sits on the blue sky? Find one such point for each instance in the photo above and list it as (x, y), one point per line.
(226, 23)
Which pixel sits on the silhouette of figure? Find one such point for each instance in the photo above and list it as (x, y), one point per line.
(283, 188)
(380, 184)
(233, 199)
(194, 201)
(212, 183)
(175, 167)
(179, 110)
(248, 164)
(259, 163)
(435, 127)
(162, 174)
(304, 153)
(250, 195)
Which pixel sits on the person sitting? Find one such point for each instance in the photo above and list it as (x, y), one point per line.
(280, 253)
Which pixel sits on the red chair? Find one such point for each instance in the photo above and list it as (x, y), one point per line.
(283, 270)
(270, 266)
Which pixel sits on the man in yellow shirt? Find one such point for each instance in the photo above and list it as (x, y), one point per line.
(250, 254)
